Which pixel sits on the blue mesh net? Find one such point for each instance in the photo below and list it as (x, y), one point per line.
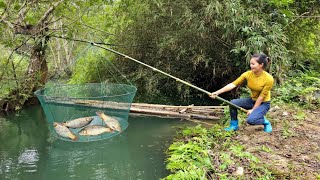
(87, 112)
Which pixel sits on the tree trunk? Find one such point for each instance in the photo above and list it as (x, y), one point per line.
(37, 72)
(38, 68)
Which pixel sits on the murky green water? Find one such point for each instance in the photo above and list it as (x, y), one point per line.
(27, 152)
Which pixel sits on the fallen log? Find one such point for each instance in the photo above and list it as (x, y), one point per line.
(196, 112)
(183, 110)
(172, 113)
(171, 106)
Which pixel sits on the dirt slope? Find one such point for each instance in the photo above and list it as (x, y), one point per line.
(293, 148)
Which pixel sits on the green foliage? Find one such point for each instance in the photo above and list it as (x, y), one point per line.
(207, 43)
(95, 65)
(85, 69)
(305, 45)
(286, 131)
(11, 73)
(266, 149)
(192, 154)
(299, 116)
(200, 153)
(303, 32)
(302, 88)
(280, 3)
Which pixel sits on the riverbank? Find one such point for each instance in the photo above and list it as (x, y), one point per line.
(291, 151)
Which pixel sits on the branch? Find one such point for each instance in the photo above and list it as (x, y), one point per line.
(298, 17)
(22, 13)
(90, 42)
(8, 60)
(49, 11)
(307, 16)
(15, 75)
(8, 23)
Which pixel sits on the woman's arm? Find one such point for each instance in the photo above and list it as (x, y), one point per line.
(257, 104)
(231, 86)
(226, 88)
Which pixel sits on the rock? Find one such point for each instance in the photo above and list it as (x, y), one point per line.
(274, 109)
(316, 94)
(245, 139)
(239, 171)
(285, 113)
(305, 158)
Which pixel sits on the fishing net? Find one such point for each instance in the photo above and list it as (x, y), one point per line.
(72, 111)
(83, 112)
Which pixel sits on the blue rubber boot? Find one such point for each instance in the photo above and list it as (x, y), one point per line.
(233, 126)
(267, 125)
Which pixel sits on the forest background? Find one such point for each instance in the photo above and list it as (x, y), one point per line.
(205, 42)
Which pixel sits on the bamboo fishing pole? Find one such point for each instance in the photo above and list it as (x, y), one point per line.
(180, 80)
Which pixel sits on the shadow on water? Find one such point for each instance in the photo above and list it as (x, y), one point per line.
(27, 152)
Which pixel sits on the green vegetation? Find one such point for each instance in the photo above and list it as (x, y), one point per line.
(200, 153)
(301, 88)
(205, 42)
(216, 39)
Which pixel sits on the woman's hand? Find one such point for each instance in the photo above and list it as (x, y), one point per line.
(227, 88)
(249, 111)
(213, 95)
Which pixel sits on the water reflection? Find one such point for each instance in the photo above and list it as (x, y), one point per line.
(23, 137)
(123, 157)
(28, 160)
(27, 152)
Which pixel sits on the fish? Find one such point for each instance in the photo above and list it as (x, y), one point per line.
(111, 122)
(63, 131)
(94, 130)
(79, 122)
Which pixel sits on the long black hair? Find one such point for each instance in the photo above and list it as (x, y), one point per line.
(262, 58)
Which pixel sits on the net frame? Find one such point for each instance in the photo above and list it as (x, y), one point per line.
(67, 102)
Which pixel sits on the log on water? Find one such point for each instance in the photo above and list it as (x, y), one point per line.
(171, 106)
(197, 112)
(172, 114)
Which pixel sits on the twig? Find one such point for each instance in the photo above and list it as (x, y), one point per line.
(90, 42)
(15, 75)
(49, 11)
(298, 17)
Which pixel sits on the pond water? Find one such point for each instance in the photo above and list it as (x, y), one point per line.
(27, 151)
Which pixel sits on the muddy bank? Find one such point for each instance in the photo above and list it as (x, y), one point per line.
(292, 150)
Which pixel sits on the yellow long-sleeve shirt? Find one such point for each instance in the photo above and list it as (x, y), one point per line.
(259, 85)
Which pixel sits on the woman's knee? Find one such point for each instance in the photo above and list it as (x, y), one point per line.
(233, 101)
(252, 120)
(236, 102)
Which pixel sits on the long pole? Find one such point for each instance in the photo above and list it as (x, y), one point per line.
(180, 80)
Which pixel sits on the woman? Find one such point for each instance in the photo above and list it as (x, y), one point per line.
(260, 83)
